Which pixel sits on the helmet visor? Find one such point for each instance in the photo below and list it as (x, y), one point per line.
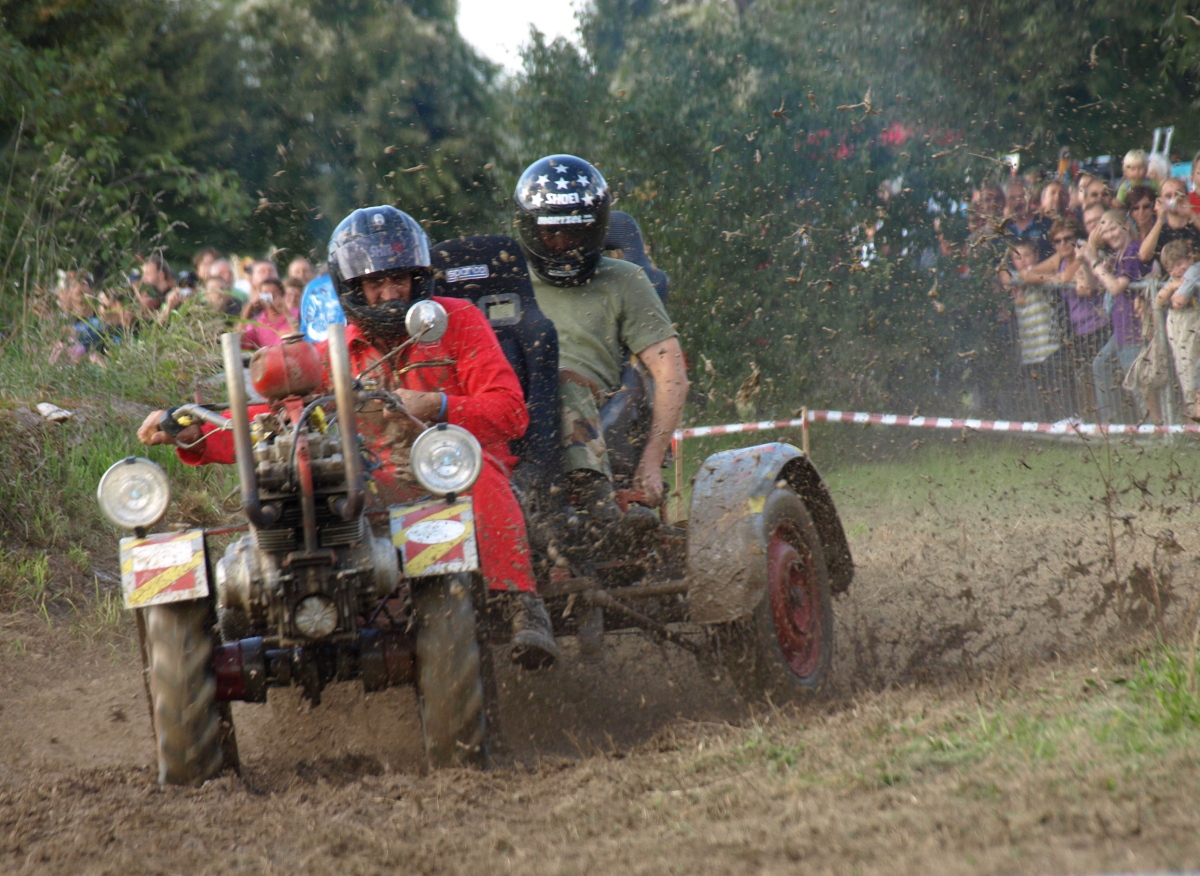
(560, 240)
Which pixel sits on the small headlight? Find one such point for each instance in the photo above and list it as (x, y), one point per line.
(446, 459)
(316, 616)
(134, 493)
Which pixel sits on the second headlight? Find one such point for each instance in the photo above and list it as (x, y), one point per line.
(446, 459)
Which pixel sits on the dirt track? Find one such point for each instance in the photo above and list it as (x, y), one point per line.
(595, 773)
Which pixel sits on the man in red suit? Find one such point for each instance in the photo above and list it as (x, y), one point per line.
(379, 262)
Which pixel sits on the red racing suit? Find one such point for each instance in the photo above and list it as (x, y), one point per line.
(483, 396)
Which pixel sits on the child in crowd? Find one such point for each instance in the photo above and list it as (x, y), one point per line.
(1037, 336)
(1183, 320)
(1134, 170)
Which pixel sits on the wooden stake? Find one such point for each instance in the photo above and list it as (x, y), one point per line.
(804, 430)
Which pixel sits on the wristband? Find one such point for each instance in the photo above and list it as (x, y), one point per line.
(441, 415)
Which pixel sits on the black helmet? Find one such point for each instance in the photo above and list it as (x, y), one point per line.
(376, 241)
(562, 218)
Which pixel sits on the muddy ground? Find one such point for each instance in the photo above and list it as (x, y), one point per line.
(605, 764)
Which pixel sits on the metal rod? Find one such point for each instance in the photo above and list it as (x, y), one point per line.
(239, 414)
(343, 390)
(604, 600)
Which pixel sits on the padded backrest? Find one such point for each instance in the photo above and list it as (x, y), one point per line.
(490, 270)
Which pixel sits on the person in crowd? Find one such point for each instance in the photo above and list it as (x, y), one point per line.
(202, 262)
(293, 292)
(1059, 268)
(217, 296)
(1183, 319)
(221, 270)
(1112, 274)
(1054, 201)
(1097, 192)
(87, 336)
(603, 309)
(625, 242)
(1139, 204)
(261, 271)
(1022, 223)
(1134, 170)
(301, 269)
(1092, 216)
(1037, 336)
(1194, 194)
(379, 259)
(1078, 193)
(1174, 220)
(268, 315)
(319, 307)
(242, 285)
(1158, 170)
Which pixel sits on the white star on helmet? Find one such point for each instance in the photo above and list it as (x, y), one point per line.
(561, 184)
(588, 200)
(542, 180)
(582, 180)
(562, 168)
(536, 200)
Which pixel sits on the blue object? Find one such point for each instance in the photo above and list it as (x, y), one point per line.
(319, 308)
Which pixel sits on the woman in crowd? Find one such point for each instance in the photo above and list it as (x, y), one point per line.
(1111, 273)
(1174, 220)
(269, 317)
(1139, 204)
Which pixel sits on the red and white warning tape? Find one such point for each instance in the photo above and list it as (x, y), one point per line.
(1065, 427)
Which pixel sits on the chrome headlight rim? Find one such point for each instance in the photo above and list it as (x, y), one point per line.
(424, 447)
(153, 477)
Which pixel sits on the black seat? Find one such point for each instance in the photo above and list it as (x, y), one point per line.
(490, 270)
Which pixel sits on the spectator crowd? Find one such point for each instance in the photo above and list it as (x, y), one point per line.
(1098, 284)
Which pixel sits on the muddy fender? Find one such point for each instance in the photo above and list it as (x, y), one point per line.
(726, 555)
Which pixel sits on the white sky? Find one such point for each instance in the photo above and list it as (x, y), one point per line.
(497, 28)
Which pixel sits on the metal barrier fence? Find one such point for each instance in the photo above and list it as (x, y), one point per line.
(1063, 386)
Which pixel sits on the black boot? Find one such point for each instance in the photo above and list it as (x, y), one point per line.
(533, 645)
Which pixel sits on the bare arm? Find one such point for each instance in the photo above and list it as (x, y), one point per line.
(1148, 246)
(664, 361)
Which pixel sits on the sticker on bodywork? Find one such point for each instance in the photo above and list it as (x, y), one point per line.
(435, 538)
(163, 568)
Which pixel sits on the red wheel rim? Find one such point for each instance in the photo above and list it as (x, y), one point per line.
(795, 600)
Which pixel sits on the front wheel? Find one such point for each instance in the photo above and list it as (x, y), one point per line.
(193, 733)
(782, 652)
(450, 686)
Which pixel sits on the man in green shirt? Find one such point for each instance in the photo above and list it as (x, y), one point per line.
(604, 310)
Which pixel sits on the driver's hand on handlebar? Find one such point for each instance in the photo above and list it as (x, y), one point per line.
(422, 405)
(648, 481)
(150, 432)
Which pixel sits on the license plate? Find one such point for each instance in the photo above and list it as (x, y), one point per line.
(163, 568)
(435, 538)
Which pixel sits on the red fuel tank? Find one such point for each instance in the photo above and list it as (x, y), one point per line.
(290, 368)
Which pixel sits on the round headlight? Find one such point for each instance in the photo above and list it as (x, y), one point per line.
(134, 493)
(446, 459)
(316, 616)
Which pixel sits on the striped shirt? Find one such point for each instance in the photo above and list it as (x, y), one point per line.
(1035, 329)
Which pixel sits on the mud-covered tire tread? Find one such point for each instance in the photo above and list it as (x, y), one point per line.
(188, 725)
(750, 646)
(450, 688)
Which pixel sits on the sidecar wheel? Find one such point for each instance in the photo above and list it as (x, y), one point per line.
(193, 732)
(450, 686)
(783, 650)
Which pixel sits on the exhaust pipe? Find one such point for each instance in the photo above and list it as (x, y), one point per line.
(258, 514)
(350, 507)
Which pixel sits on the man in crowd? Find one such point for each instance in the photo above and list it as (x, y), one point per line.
(1023, 224)
(379, 260)
(603, 309)
(300, 269)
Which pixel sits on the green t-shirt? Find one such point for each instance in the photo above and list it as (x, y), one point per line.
(616, 310)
